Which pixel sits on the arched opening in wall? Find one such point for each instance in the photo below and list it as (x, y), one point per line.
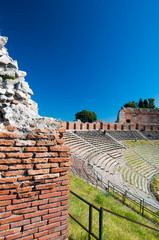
(74, 127)
(81, 126)
(67, 125)
(115, 127)
(144, 128)
(101, 125)
(151, 128)
(108, 127)
(122, 127)
(129, 127)
(88, 126)
(94, 126)
(128, 121)
(137, 126)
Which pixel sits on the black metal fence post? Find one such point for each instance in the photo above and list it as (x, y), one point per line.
(101, 223)
(143, 205)
(90, 222)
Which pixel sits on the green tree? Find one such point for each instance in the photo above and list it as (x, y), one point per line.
(141, 104)
(130, 104)
(86, 116)
(146, 103)
(151, 103)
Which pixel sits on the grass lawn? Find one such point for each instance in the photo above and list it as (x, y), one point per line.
(113, 227)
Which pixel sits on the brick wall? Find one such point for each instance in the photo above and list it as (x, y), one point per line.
(109, 126)
(34, 185)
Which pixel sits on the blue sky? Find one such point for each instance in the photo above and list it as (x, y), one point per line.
(85, 54)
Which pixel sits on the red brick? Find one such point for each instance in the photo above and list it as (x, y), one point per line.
(36, 214)
(45, 186)
(5, 215)
(29, 232)
(10, 161)
(46, 154)
(10, 231)
(48, 165)
(54, 175)
(58, 148)
(27, 238)
(12, 173)
(21, 223)
(59, 159)
(24, 178)
(64, 154)
(2, 155)
(26, 210)
(5, 203)
(15, 236)
(9, 186)
(24, 189)
(36, 172)
(51, 205)
(46, 143)
(49, 236)
(11, 219)
(25, 143)
(4, 227)
(18, 206)
(36, 136)
(10, 128)
(41, 131)
(28, 194)
(8, 135)
(49, 195)
(36, 219)
(35, 149)
(19, 155)
(16, 201)
(61, 130)
(6, 142)
(60, 141)
(10, 149)
(35, 160)
(3, 167)
(40, 202)
(64, 169)
(66, 164)
(34, 225)
(30, 183)
(8, 180)
(22, 166)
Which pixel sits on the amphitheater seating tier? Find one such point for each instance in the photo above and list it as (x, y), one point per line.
(130, 168)
(126, 135)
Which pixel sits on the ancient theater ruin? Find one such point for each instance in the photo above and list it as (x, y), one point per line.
(34, 162)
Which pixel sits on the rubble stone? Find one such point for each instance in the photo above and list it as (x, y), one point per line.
(16, 107)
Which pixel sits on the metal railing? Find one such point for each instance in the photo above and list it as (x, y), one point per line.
(141, 203)
(101, 211)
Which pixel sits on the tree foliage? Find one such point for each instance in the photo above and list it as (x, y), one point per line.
(86, 116)
(150, 103)
(131, 104)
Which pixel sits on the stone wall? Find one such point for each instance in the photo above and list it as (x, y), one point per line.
(138, 115)
(109, 126)
(34, 185)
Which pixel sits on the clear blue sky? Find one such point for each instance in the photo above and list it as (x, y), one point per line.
(85, 54)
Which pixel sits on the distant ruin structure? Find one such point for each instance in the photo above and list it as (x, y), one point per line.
(138, 115)
(34, 162)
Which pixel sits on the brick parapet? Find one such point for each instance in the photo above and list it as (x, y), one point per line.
(34, 185)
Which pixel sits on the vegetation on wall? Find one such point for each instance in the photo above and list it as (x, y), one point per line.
(150, 103)
(6, 76)
(86, 116)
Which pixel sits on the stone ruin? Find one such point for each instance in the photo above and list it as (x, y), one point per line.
(34, 162)
(16, 106)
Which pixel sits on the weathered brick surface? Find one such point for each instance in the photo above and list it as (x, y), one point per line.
(34, 185)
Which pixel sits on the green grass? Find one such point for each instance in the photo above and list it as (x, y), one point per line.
(155, 187)
(114, 228)
(137, 143)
